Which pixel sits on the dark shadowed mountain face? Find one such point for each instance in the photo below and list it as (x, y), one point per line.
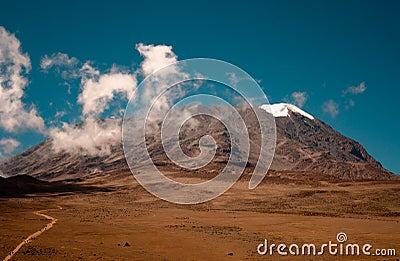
(304, 144)
(21, 185)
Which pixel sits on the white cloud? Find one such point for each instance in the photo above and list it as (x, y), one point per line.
(88, 71)
(68, 68)
(233, 79)
(96, 94)
(93, 137)
(8, 145)
(97, 91)
(13, 66)
(155, 57)
(299, 98)
(355, 89)
(59, 61)
(331, 107)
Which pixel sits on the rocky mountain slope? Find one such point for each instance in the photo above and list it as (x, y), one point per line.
(304, 144)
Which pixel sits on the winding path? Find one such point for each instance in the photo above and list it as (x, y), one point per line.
(37, 233)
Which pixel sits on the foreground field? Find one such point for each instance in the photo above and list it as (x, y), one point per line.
(127, 223)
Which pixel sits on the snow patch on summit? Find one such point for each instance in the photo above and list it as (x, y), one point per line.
(282, 110)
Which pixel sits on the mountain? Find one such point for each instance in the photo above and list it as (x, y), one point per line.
(304, 144)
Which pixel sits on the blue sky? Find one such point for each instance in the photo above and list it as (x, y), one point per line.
(320, 48)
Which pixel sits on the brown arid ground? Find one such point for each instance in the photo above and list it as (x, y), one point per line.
(127, 223)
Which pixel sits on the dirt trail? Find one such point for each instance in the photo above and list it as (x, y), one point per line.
(37, 233)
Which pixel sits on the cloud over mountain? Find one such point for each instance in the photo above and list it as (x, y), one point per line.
(97, 91)
(299, 98)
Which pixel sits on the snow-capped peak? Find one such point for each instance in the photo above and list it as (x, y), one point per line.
(282, 110)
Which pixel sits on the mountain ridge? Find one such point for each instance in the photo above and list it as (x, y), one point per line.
(303, 144)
